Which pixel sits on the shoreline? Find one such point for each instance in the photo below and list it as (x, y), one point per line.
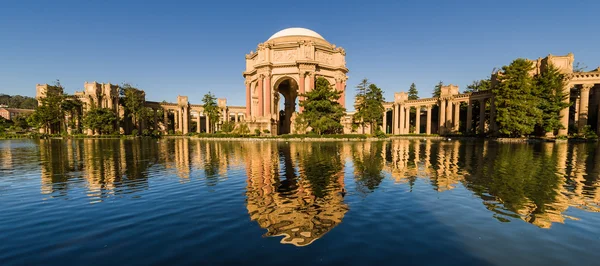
(330, 138)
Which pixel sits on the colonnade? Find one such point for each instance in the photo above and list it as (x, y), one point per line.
(448, 113)
(581, 107)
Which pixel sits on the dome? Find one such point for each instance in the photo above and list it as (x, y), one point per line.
(296, 32)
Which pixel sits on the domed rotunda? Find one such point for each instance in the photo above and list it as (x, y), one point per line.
(283, 67)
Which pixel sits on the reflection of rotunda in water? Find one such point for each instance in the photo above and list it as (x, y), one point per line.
(288, 203)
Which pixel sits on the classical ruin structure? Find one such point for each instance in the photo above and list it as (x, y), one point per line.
(455, 112)
(284, 67)
(176, 117)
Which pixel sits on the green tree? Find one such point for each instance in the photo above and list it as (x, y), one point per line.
(132, 100)
(209, 103)
(368, 165)
(20, 122)
(49, 115)
(413, 93)
(479, 85)
(517, 110)
(4, 124)
(322, 112)
(549, 86)
(437, 90)
(369, 107)
(100, 120)
(73, 107)
(228, 127)
(18, 101)
(579, 67)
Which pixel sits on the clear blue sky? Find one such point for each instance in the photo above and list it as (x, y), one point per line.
(190, 47)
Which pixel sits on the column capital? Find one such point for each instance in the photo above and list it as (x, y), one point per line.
(586, 86)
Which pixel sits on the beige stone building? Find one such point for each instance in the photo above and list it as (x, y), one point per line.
(284, 67)
(176, 117)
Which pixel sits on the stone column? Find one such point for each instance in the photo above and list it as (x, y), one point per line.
(576, 116)
(564, 114)
(207, 123)
(401, 125)
(456, 116)
(268, 94)
(407, 120)
(237, 120)
(583, 106)
(428, 125)
(186, 120)
(165, 121)
(198, 123)
(394, 119)
(384, 121)
(311, 81)
(178, 115)
(442, 116)
(261, 103)
(469, 116)
(418, 120)
(482, 116)
(301, 88)
(448, 124)
(248, 99)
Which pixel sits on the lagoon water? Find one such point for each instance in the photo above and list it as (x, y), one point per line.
(399, 202)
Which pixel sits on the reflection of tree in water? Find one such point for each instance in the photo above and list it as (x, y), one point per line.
(59, 162)
(368, 165)
(521, 182)
(299, 205)
(107, 166)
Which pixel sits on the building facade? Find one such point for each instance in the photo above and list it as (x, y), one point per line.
(282, 69)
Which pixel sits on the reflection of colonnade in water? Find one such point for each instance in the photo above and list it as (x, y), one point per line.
(108, 167)
(287, 183)
(410, 159)
(283, 195)
(559, 172)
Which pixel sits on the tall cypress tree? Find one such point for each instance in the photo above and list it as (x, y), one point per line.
(437, 90)
(517, 110)
(413, 94)
(370, 107)
(549, 86)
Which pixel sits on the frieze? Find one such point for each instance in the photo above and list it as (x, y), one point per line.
(284, 55)
(324, 57)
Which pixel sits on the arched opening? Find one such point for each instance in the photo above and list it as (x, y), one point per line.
(286, 106)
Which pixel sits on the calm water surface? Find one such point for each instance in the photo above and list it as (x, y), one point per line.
(181, 201)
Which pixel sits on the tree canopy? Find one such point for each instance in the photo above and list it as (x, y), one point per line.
(18, 101)
(322, 112)
(517, 111)
(100, 120)
(369, 106)
(479, 85)
(49, 115)
(437, 90)
(211, 109)
(549, 86)
(413, 93)
(132, 100)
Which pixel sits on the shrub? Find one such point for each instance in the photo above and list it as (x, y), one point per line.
(266, 131)
(228, 127)
(380, 134)
(257, 132)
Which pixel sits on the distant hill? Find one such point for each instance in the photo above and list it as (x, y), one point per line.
(18, 101)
